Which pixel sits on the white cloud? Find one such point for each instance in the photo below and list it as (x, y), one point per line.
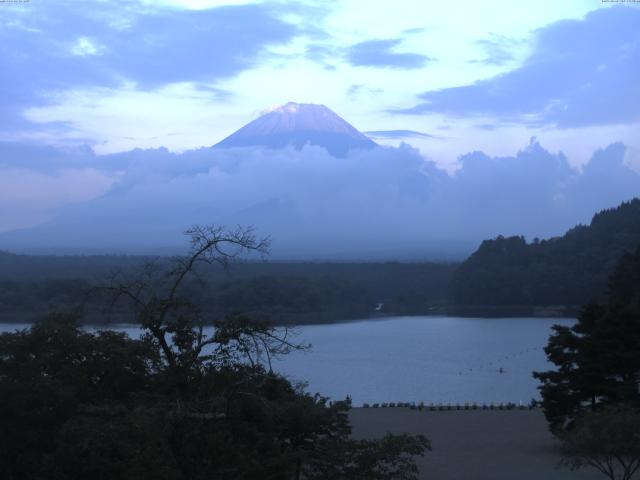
(87, 47)
(155, 111)
(177, 116)
(380, 200)
(632, 157)
(198, 4)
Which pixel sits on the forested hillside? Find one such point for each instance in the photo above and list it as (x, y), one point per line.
(287, 292)
(564, 271)
(504, 276)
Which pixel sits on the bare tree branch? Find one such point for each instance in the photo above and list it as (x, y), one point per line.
(175, 323)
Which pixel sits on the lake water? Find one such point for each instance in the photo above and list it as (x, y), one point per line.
(413, 359)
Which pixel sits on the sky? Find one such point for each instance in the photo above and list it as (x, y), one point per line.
(184, 73)
(89, 86)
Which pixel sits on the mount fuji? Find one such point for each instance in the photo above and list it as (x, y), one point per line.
(299, 124)
(327, 205)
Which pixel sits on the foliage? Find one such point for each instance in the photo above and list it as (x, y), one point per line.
(608, 440)
(570, 270)
(597, 359)
(592, 400)
(178, 403)
(48, 373)
(391, 457)
(289, 292)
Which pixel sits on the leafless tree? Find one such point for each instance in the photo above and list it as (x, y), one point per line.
(172, 319)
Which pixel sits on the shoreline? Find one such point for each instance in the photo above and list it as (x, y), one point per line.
(27, 318)
(474, 444)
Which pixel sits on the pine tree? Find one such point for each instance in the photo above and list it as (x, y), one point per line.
(598, 359)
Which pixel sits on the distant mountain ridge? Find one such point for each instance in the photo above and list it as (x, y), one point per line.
(565, 271)
(299, 124)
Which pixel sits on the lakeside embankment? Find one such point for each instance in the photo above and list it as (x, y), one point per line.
(474, 444)
(326, 317)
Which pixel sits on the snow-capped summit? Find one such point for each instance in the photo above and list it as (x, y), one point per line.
(298, 124)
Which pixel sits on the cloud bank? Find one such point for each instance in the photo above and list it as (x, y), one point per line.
(580, 73)
(384, 203)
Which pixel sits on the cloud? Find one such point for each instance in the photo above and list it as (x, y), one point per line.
(380, 53)
(323, 54)
(302, 197)
(580, 73)
(85, 47)
(200, 4)
(499, 49)
(519, 194)
(370, 53)
(605, 179)
(359, 90)
(413, 31)
(632, 158)
(382, 203)
(44, 159)
(355, 89)
(397, 134)
(30, 197)
(50, 48)
(178, 116)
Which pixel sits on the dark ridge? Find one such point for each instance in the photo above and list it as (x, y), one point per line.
(563, 271)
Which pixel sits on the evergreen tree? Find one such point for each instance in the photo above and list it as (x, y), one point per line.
(598, 359)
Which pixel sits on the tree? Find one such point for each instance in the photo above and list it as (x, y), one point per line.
(51, 372)
(607, 440)
(591, 401)
(597, 359)
(180, 403)
(570, 270)
(156, 296)
(390, 458)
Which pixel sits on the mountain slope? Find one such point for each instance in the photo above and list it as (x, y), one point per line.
(298, 124)
(570, 270)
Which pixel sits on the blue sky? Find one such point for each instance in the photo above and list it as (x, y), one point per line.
(185, 73)
(497, 93)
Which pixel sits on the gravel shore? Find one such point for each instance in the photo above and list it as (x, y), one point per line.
(475, 444)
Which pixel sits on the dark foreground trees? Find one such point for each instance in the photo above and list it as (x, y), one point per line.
(570, 270)
(181, 402)
(598, 359)
(607, 440)
(593, 397)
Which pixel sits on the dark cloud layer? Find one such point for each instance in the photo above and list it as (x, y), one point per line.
(382, 203)
(380, 53)
(581, 72)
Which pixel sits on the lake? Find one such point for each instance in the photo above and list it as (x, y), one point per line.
(419, 359)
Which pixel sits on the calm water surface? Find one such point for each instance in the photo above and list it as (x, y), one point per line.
(413, 359)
